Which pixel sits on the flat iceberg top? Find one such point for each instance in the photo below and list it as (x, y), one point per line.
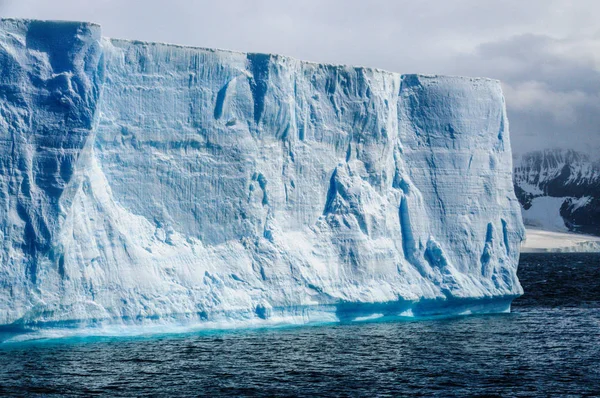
(50, 23)
(144, 182)
(136, 42)
(56, 24)
(118, 41)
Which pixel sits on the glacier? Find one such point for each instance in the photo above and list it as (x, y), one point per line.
(559, 190)
(147, 182)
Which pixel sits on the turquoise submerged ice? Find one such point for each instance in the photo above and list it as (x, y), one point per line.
(145, 182)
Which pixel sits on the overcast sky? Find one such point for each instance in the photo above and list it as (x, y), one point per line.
(546, 52)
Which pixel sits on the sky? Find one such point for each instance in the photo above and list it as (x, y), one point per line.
(545, 52)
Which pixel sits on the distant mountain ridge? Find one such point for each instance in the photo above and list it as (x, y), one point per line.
(559, 190)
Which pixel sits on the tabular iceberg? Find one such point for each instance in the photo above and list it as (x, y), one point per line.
(153, 182)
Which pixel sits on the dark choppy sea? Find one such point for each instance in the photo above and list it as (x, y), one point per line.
(548, 346)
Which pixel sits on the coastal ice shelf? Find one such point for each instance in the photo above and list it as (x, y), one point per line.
(145, 182)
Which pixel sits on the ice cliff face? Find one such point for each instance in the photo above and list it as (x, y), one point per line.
(150, 181)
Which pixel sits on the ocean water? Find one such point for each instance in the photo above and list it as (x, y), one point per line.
(548, 346)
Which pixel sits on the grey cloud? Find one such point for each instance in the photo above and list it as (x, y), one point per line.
(552, 88)
(526, 57)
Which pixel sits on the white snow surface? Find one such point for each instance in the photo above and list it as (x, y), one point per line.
(152, 182)
(544, 214)
(540, 241)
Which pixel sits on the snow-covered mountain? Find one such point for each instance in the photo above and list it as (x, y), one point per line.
(152, 182)
(559, 190)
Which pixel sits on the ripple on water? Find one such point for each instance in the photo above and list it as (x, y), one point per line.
(548, 345)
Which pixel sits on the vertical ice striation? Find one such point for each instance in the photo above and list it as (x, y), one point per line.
(49, 87)
(144, 181)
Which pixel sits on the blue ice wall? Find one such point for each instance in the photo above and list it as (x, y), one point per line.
(153, 182)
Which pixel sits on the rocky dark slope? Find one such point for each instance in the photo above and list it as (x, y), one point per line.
(565, 174)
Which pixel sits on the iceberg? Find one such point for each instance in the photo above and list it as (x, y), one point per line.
(146, 182)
